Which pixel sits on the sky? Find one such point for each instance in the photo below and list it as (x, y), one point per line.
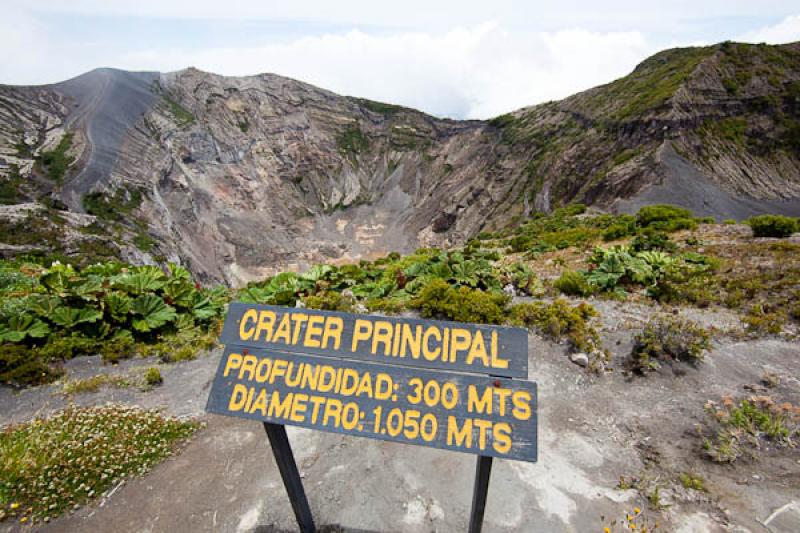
(450, 58)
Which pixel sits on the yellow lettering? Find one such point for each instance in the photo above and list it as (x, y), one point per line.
(278, 408)
(483, 427)
(522, 406)
(260, 403)
(429, 354)
(266, 319)
(333, 330)
(248, 367)
(244, 332)
(502, 437)
(238, 397)
(456, 436)
(478, 350)
(314, 328)
(479, 404)
(298, 408)
(234, 362)
(496, 361)
(361, 332)
(382, 335)
(284, 330)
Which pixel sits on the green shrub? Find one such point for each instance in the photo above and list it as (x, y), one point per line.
(650, 239)
(573, 283)
(21, 365)
(665, 218)
(330, 301)
(439, 300)
(741, 427)
(667, 338)
(106, 308)
(760, 321)
(618, 231)
(152, 376)
(772, 226)
(559, 321)
(729, 221)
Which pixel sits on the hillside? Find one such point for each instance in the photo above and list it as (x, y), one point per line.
(237, 178)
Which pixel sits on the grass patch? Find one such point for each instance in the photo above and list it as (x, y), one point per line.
(56, 162)
(746, 426)
(94, 383)
(667, 339)
(181, 115)
(352, 140)
(54, 464)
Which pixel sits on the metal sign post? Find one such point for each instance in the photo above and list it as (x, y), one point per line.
(429, 383)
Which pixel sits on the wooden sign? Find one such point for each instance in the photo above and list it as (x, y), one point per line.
(461, 412)
(435, 344)
(431, 383)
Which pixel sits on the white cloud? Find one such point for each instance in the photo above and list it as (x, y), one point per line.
(786, 31)
(473, 72)
(449, 62)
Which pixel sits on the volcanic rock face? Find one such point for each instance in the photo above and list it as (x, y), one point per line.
(237, 177)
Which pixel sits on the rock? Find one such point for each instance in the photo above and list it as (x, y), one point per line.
(510, 290)
(580, 359)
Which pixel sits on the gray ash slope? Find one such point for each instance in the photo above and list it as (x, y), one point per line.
(243, 176)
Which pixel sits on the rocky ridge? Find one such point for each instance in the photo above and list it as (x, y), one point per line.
(239, 177)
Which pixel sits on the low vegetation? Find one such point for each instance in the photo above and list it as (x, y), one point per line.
(54, 464)
(55, 162)
(773, 226)
(48, 314)
(51, 314)
(352, 140)
(666, 339)
(744, 427)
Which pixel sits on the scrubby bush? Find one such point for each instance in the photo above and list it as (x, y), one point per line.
(618, 231)
(439, 300)
(772, 226)
(330, 301)
(573, 283)
(152, 377)
(650, 239)
(665, 218)
(667, 338)
(558, 321)
(742, 427)
(762, 321)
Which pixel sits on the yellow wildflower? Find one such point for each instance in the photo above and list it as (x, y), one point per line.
(606, 530)
(637, 510)
(23, 519)
(14, 505)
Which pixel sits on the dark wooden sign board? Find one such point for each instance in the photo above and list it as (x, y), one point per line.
(431, 383)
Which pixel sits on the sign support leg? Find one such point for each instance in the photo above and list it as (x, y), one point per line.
(482, 471)
(276, 433)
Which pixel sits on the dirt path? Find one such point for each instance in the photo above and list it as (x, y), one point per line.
(592, 431)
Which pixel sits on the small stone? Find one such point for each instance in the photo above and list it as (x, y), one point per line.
(299, 304)
(510, 290)
(580, 359)
(347, 293)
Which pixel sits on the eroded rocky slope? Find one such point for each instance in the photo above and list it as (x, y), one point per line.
(238, 177)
